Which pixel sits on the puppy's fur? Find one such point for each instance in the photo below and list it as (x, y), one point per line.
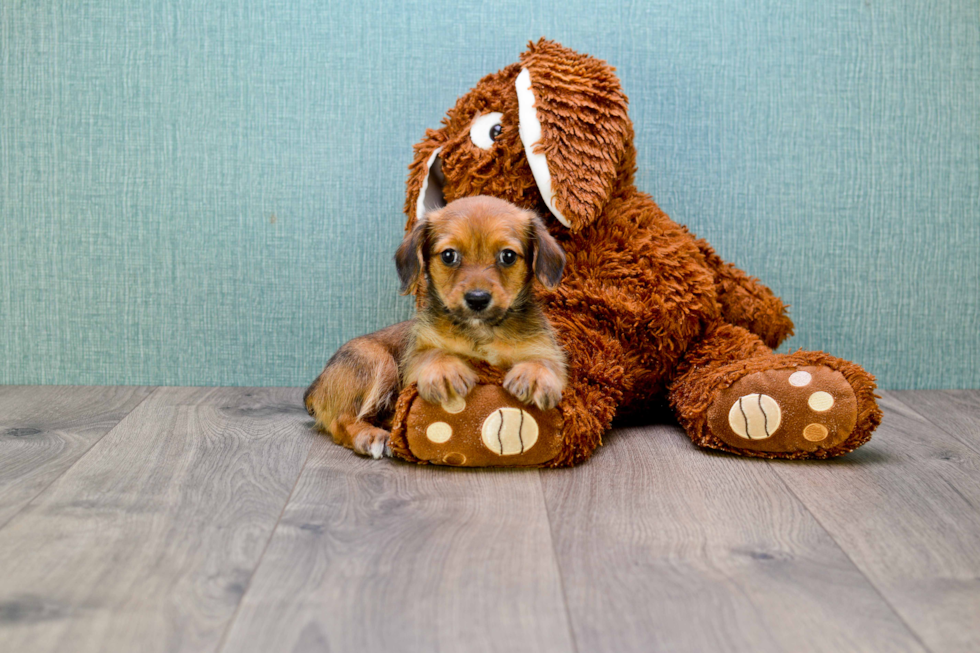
(473, 264)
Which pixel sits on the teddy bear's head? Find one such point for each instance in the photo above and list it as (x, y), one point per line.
(550, 133)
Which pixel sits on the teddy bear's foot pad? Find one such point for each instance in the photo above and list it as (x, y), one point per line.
(802, 409)
(489, 428)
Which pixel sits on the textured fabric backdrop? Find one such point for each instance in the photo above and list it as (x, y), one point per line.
(211, 193)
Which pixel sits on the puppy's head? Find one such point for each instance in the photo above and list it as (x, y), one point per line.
(479, 257)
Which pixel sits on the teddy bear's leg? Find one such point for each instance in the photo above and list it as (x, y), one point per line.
(587, 410)
(733, 393)
(746, 302)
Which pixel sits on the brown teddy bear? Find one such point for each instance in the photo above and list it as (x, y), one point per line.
(645, 309)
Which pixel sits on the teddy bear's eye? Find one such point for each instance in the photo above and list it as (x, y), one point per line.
(485, 129)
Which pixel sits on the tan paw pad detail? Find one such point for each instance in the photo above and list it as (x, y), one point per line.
(800, 378)
(821, 401)
(439, 432)
(455, 405)
(509, 431)
(815, 432)
(755, 416)
(455, 459)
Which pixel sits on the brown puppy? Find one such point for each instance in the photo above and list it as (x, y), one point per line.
(473, 264)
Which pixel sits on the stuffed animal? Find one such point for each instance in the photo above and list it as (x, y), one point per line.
(645, 310)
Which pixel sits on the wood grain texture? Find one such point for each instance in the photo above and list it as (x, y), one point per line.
(381, 556)
(665, 547)
(44, 430)
(192, 525)
(149, 541)
(957, 412)
(906, 509)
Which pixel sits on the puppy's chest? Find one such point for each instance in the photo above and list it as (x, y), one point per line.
(497, 353)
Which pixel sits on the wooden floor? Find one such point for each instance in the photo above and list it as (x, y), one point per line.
(215, 519)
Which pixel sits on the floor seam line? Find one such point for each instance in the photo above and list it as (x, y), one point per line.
(974, 447)
(840, 547)
(76, 461)
(258, 563)
(554, 552)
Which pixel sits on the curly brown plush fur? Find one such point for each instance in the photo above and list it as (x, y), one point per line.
(645, 308)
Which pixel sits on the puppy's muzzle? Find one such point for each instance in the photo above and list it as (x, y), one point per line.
(477, 300)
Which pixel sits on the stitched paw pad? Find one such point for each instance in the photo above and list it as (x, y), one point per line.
(490, 428)
(801, 409)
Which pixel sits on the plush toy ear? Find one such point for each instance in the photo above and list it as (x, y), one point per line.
(577, 135)
(548, 259)
(410, 257)
(425, 178)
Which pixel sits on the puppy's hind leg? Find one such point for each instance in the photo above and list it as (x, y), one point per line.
(354, 394)
(365, 439)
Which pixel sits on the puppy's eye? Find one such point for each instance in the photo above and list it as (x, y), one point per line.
(485, 130)
(449, 257)
(507, 257)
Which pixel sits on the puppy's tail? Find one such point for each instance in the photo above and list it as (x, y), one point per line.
(307, 396)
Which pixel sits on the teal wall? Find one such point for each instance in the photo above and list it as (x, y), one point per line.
(210, 192)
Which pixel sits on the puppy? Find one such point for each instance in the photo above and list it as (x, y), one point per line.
(473, 265)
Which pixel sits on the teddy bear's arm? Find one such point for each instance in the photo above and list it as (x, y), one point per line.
(746, 302)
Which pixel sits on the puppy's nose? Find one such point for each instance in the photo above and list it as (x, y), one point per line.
(477, 300)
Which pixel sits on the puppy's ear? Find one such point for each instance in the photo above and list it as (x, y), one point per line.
(410, 257)
(548, 259)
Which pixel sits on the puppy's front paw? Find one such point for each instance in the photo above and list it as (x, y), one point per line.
(443, 379)
(534, 383)
(372, 442)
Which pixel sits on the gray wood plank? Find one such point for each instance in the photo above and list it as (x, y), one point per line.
(384, 556)
(957, 412)
(906, 509)
(45, 429)
(665, 547)
(149, 541)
